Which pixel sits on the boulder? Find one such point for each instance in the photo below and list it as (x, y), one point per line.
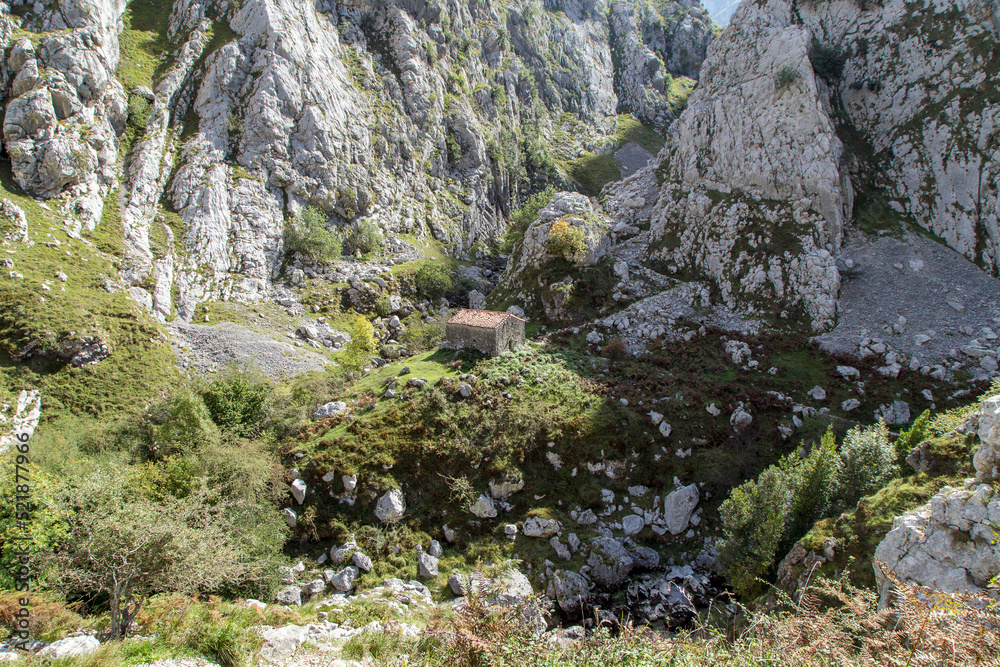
(299, 490)
(434, 549)
(538, 527)
(289, 595)
(987, 458)
(740, 418)
(282, 643)
(330, 409)
(362, 562)
(678, 506)
(70, 647)
(644, 558)
(609, 562)
(483, 507)
(390, 507)
(290, 517)
(571, 590)
(633, 524)
(427, 566)
(343, 581)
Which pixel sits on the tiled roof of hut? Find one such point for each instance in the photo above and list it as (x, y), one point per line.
(485, 319)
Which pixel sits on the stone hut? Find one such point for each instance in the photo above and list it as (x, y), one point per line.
(488, 331)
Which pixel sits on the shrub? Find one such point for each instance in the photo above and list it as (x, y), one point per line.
(566, 240)
(364, 238)
(362, 344)
(521, 218)
(238, 402)
(827, 61)
(615, 351)
(178, 426)
(868, 462)
(753, 520)
(383, 307)
(127, 547)
(422, 336)
(786, 77)
(308, 235)
(139, 111)
(433, 279)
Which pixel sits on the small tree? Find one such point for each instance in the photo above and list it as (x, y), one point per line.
(364, 238)
(128, 547)
(433, 279)
(362, 344)
(868, 462)
(615, 352)
(308, 235)
(753, 520)
(566, 240)
(813, 482)
(238, 402)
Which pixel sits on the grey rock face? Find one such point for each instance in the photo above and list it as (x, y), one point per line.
(950, 543)
(609, 562)
(572, 591)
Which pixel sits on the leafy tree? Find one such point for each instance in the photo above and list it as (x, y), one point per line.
(433, 279)
(566, 240)
(812, 481)
(364, 238)
(238, 402)
(522, 218)
(309, 235)
(362, 344)
(126, 546)
(868, 462)
(753, 520)
(907, 440)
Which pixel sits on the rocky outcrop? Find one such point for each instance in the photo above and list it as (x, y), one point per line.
(950, 544)
(65, 107)
(800, 107)
(18, 418)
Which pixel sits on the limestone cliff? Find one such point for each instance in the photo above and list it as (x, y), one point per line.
(424, 118)
(816, 120)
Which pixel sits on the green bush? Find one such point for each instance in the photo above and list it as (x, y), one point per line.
(786, 77)
(383, 308)
(308, 235)
(422, 336)
(753, 520)
(139, 112)
(522, 218)
(238, 402)
(868, 462)
(433, 279)
(827, 61)
(364, 238)
(566, 240)
(178, 426)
